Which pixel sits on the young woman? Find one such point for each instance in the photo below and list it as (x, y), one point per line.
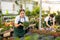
(18, 29)
(50, 21)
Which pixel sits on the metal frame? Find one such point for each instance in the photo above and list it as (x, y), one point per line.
(40, 14)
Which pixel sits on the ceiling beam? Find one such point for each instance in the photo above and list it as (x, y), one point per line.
(8, 0)
(52, 2)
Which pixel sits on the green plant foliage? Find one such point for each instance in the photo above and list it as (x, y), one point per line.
(28, 38)
(0, 11)
(37, 24)
(32, 21)
(57, 19)
(5, 28)
(35, 36)
(0, 17)
(1, 38)
(0, 21)
(54, 14)
(58, 29)
(16, 38)
(35, 11)
(28, 13)
(7, 12)
(16, 2)
(58, 38)
(44, 15)
(26, 24)
(32, 37)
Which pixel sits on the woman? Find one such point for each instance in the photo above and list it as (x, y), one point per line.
(18, 29)
(50, 21)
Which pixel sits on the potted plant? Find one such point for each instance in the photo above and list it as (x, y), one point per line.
(26, 24)
(57, 19)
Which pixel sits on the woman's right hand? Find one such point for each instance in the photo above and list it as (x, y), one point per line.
(21, 24)
(18, 25)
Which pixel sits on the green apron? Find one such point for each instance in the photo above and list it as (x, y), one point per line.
(19, 32)
(50, 22)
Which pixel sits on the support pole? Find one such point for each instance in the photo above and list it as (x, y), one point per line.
(40, 14)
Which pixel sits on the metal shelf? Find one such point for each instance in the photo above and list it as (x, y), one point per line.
(9, 14)
(52, 2)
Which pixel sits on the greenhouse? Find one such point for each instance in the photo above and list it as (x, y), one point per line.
(29, 19)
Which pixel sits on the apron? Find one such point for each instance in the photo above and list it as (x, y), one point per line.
(19, 32)
(50, 22)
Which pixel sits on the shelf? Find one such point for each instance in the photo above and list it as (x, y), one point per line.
(9, 14)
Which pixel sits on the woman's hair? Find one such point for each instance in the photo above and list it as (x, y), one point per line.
(21, 10)
(52, 15)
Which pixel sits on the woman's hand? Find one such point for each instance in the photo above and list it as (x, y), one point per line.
(21, 24)
(17, 25)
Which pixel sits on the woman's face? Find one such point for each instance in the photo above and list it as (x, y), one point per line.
(51, 18)
(22, 14)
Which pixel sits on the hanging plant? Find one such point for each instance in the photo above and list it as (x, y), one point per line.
(16, 2)
(28, 13)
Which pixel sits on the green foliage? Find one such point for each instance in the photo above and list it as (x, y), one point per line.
(0, 17)
(34, 12)
(32, 21)
(58, 12)
(43, 11)
(16, 38)
(16, 2)
(58, 29)
(5, 28)
(1, 38)
(28, 13)
(32, 37)
(28, 38)
(7, 12)
(44, 15)
(37, 24)
(54, 14)
(57, 19)
(35, 36)
(0, 11)
(58, 38)
(0, 21)
(26, 24)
